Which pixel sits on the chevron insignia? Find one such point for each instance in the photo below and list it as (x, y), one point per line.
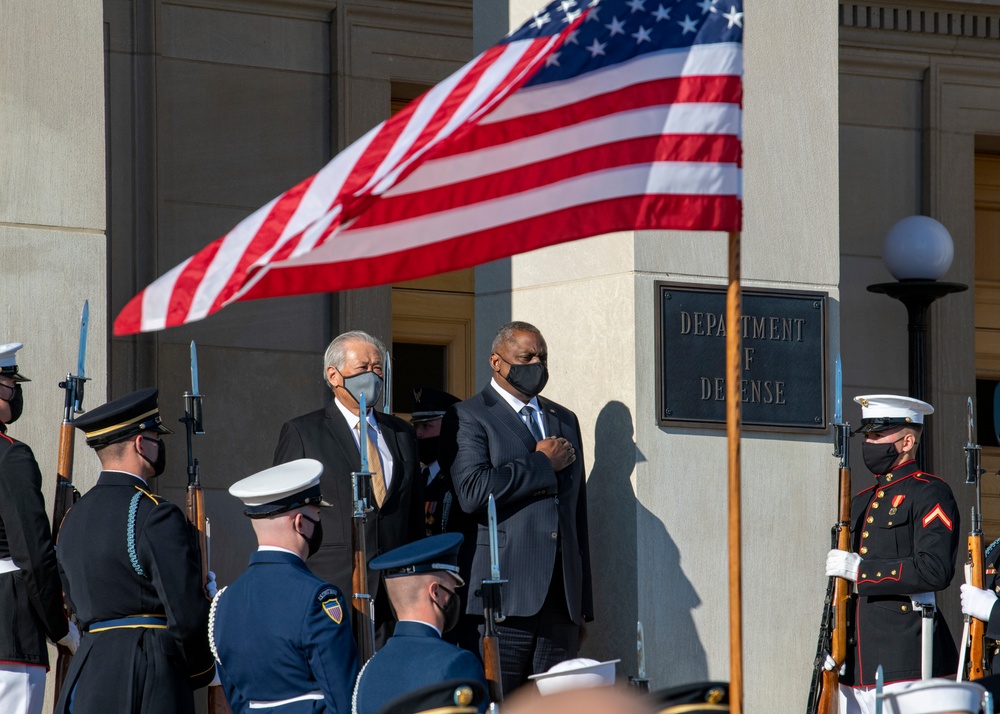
(937, 513)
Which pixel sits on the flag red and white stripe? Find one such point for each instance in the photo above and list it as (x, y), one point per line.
(483, 166)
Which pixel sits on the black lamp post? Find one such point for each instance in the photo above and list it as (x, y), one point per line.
(917, 251)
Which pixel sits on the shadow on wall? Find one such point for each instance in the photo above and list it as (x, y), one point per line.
(617, 520)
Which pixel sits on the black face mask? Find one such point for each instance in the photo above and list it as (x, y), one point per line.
(160, 462)
(528, 379)
(452, 609)
(316, 539)
(427, 449)
(879, 457)
(16, 404)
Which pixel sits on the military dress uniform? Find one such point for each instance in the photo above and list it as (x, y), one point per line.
(132, 574)
(282, 636)
(440, 508)
(416, 656)
(906, 529)
(904, 539)
(30, 591)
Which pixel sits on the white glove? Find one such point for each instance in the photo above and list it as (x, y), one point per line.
(977, 603)
(211, 589)
(72, 639)
(843, 564)
(829, 663)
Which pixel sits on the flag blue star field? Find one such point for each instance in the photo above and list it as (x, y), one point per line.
(594, 116)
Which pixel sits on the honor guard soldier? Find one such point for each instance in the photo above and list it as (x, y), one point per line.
(420, 578)
(132, 575)
(905, 533)
(282, 636)
(429, 407)
(455, 696)
(30, 591)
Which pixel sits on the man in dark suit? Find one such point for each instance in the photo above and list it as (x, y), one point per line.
(132, 574)
(421, 579)
(331, 436)
(526, 451)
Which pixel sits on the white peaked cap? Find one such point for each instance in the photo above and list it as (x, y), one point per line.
(280, 488)
(883, 411)
(935, 696)
(580, 673)
(8, 361)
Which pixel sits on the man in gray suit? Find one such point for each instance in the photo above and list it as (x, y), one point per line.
(526, 451)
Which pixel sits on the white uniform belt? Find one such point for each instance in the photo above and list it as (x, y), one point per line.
(302, 698)
(919, 599)
(7, 565)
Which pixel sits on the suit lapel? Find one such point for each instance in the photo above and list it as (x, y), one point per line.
(505, 415)
(342, 436)
(554, 426)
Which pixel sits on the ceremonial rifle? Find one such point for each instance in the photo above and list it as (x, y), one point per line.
(974, 567)
(825, 691)
(66, 494)
(196, 514)
(364, 607)
(492, 611)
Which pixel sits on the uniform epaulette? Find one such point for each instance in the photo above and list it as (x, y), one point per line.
(152, 496)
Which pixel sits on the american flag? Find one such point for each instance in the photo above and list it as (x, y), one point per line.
(593, 117)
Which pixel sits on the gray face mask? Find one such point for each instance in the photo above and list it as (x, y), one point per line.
(367, 383)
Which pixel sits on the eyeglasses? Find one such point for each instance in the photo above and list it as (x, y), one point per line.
(7, 392)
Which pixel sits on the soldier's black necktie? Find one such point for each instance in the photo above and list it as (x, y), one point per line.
(528, 414)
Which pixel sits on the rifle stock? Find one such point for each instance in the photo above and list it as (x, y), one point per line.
(833, 630)
(361, 599)
(491, 663)
(977, 628)
(65, 496)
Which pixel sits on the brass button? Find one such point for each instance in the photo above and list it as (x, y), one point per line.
(878, 575)
(871, 519)
(893, 572)
(864, 575)
(881, 494)
(863, 551)
(865, 534)
(889, 523)
(904, 608)
(875, 505)
(888, 477)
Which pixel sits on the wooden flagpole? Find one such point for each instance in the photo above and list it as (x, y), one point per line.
(734, 333)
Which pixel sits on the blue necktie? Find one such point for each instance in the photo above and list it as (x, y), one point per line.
(528, 416)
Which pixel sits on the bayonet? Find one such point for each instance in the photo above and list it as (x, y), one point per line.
(641, 682)
(387, 386)
(879, 680)
(491, 515)
(363, 433)
(81, 358)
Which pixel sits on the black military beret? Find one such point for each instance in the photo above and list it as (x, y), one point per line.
(430, 403)
(454, 696)
(694, 697)
(122, 418)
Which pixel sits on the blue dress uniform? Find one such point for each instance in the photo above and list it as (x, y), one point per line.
(281, 636)
(132, 574)
(416, 656)
(906, 529)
